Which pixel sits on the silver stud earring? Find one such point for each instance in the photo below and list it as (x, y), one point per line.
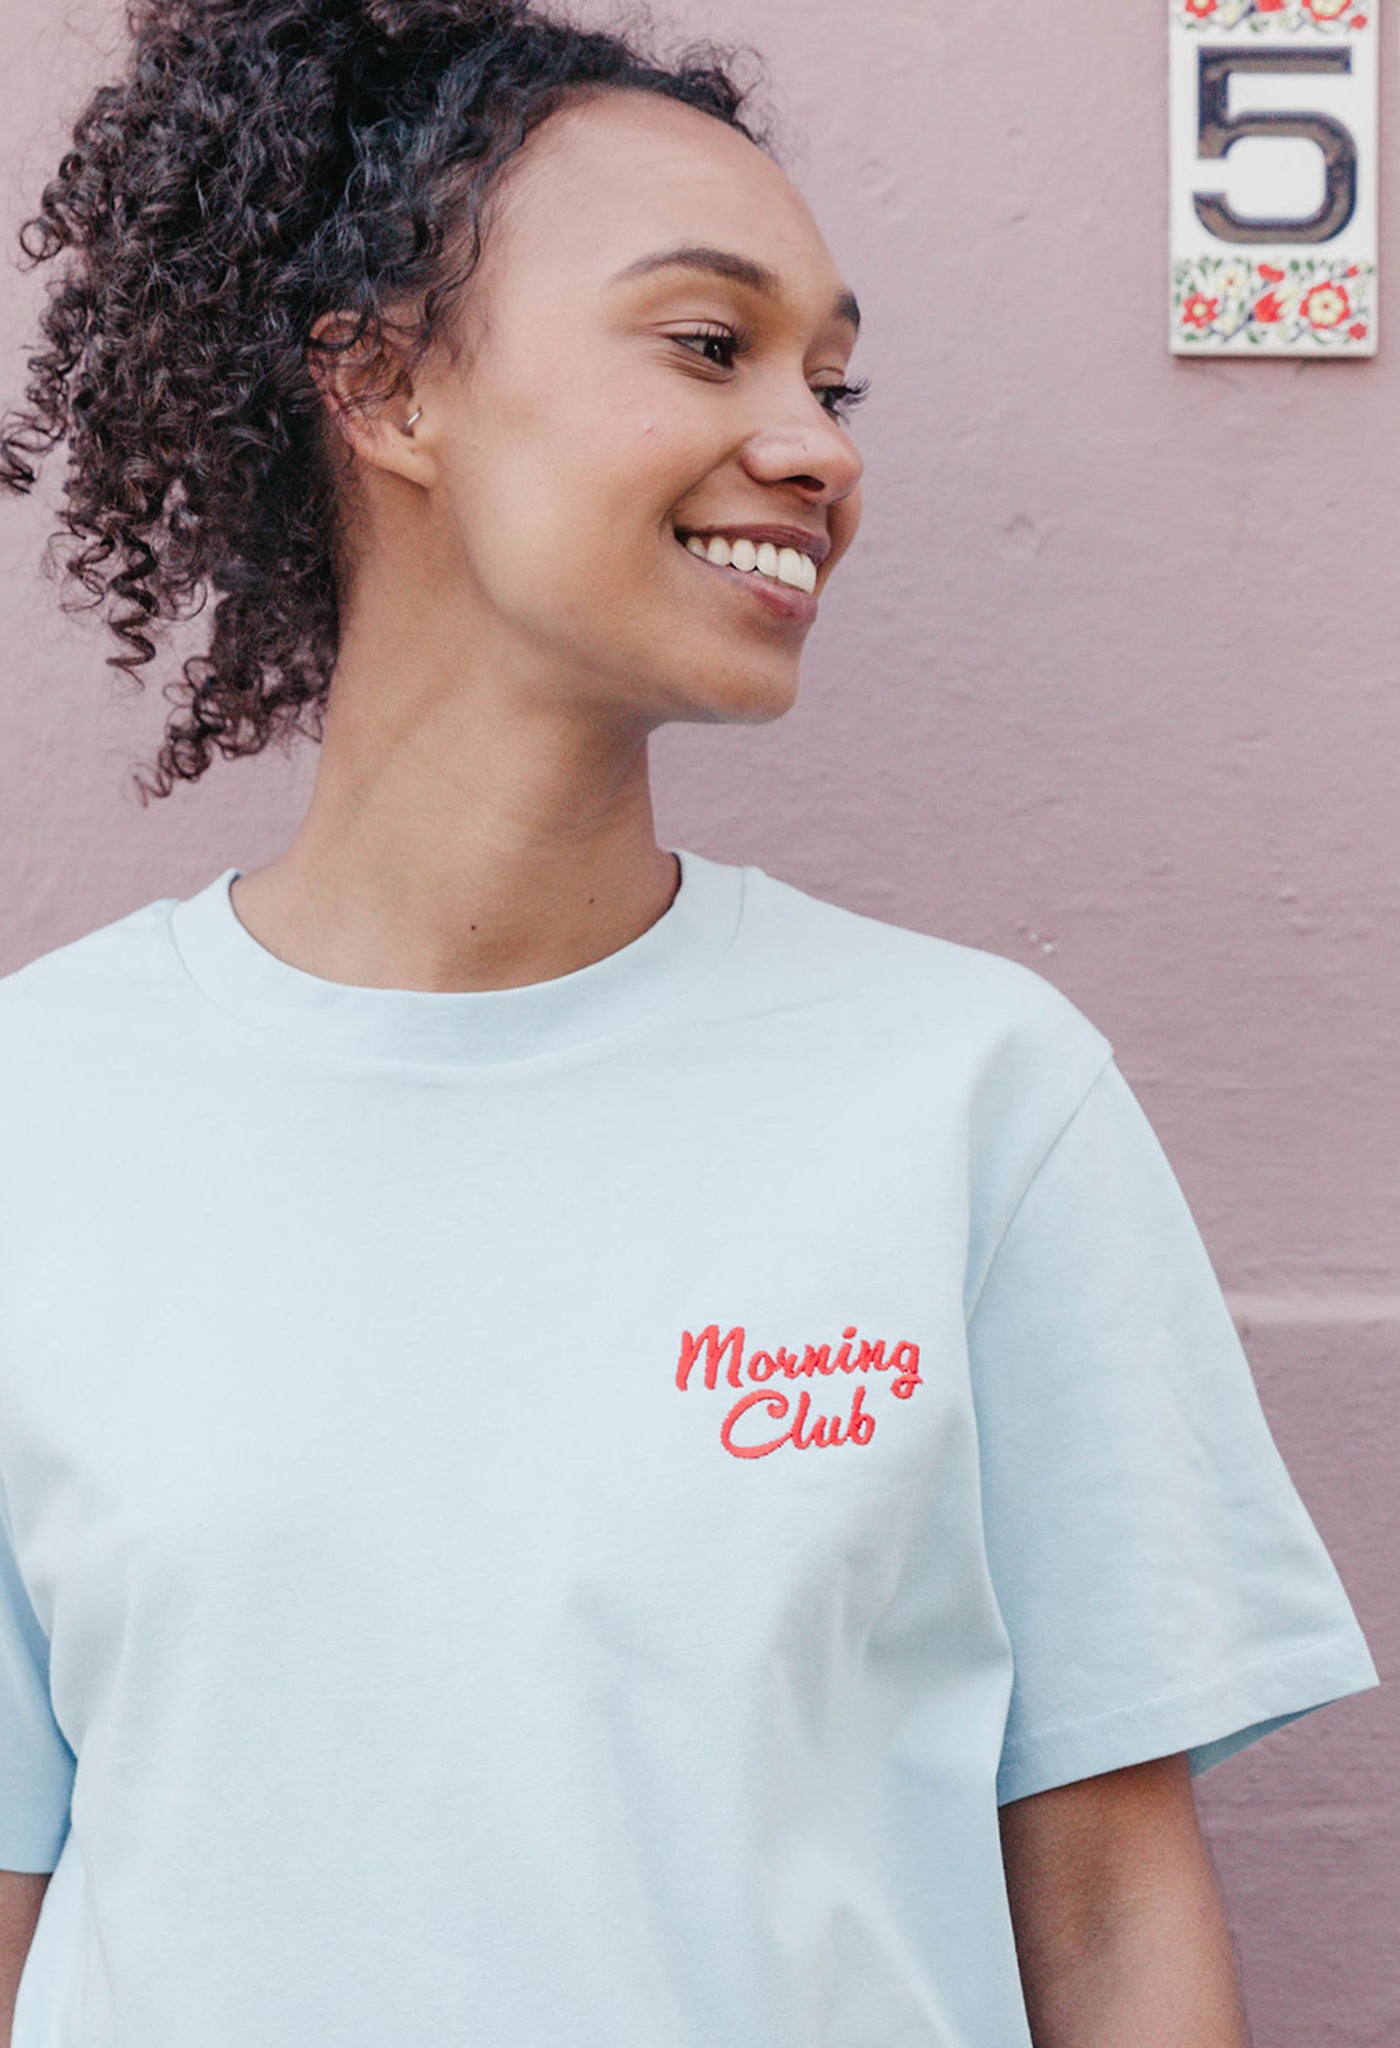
(409, 425)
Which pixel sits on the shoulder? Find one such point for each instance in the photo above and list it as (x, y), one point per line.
(913, 984)
(948, 1047)
(92, 991)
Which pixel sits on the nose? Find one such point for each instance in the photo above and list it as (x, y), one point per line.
(809, 449)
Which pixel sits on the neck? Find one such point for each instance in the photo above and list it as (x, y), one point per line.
(461, 837)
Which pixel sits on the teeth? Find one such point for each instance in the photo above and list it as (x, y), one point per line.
(781, 565)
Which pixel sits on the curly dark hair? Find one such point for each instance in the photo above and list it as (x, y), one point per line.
(260, 164)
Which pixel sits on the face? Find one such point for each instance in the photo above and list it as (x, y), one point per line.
(626, 446)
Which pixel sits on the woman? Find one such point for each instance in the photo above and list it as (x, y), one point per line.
(596, 1450)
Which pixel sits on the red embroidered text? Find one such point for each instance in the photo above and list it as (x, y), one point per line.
(748, 1430)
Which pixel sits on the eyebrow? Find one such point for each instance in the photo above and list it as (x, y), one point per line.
(738, 269)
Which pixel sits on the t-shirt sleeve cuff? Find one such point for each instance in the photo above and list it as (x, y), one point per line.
(30, 1839)
(1208, 1722)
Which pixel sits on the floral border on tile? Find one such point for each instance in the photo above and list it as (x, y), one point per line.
(1322, 305)
(1331, 16)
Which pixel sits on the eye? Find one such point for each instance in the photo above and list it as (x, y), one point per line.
(839, 399)
(723, 338)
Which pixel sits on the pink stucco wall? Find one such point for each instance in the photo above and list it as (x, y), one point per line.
(1108, 684)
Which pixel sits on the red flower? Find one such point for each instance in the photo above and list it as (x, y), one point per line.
(1271, 273)
(1351, 270)
(1270, 6)
(1268, 308)
(1358, 332)
(1325, 10)
(1357, 21)
(1198, 310)
(1326, 305)
(1202, 9)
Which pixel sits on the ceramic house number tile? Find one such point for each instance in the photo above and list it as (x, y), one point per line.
(1273, 177)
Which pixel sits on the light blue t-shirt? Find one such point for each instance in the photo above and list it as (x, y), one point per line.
(552, 1518)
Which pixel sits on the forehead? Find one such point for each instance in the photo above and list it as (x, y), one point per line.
(621, 174)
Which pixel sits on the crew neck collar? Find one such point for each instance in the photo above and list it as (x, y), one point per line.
(475, 1027)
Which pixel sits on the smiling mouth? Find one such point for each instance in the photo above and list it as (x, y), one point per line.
(780, 598)
(788, 567)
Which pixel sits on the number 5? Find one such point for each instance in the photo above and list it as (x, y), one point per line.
(1220, 131)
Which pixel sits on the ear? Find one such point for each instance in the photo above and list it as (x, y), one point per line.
(370, 402)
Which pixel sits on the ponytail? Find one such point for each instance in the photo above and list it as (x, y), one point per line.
(263, 162)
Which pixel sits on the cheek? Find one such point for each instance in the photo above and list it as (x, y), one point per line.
(584, 503)
(630, 466)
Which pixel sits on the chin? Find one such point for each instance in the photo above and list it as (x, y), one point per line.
(741, 698)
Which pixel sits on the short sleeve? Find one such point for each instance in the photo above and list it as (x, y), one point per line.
(1162, 1584)
(36, 1763)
